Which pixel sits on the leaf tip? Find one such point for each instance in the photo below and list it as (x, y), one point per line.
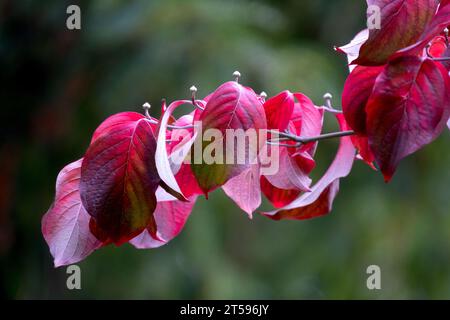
(388, 174)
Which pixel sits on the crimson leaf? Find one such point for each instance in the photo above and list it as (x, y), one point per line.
(402, 23)
(119, 178)
(408, 109)
(357, 90)
(234, 107)
(440, 21)
(319, 201)
(170, 217)
(278, 197)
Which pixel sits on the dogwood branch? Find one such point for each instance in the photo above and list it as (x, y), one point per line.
(304, 140)
(287, 136)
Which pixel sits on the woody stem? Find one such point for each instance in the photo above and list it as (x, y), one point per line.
(306, 140)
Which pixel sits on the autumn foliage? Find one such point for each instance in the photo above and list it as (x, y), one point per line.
(134, 183)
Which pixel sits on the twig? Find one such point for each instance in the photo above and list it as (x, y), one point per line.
(302, 140)
(169, 126)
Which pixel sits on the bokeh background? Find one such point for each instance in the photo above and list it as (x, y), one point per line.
(58, 85)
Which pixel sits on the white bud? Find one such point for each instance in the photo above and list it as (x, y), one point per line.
(193, 89)
(236, 75)
(328, 96)
(146, 106)
(263, 95)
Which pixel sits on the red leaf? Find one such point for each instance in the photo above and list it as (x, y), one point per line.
(438, 46)
(439, 49)
(186, 179)
(112, 123)
(361, 143)
(181, 143)
(170, 217)
(278, 197)
(245, 189)
(119, 178)
(65, 226)
(440, 21)
(402, 23)
(295, 164)
(356, 93)
(279, 110)
(352, 49)
(311, 121)
(231, 106)
(319, 201)
(304, 161)
(357, 90)
(408, 109)
(171, 214)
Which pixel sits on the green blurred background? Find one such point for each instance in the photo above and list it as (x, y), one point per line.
(58, 85)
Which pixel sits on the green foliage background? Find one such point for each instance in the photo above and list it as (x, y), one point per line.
(58, 85)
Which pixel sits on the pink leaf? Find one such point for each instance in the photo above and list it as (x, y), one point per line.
(65, 226)
(402, 23)
(408, 109)
(319, 201)
(290, 175)
(181, 142)
(119, 179)
(245, 190)
(179, 148)
(163, 164)
(352, 49)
